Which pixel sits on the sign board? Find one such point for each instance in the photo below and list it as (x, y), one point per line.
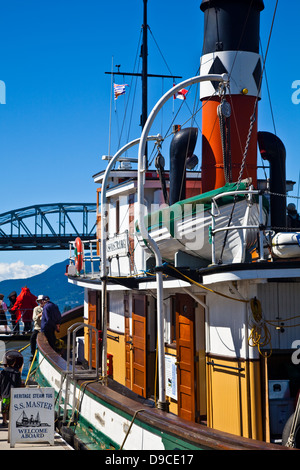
(31, 415)
(117, 245)
(171, 377)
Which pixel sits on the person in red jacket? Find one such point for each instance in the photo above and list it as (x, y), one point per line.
(23, 308)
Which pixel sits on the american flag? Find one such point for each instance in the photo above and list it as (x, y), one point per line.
(119, 90)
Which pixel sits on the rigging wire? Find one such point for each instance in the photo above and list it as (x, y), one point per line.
(253, 117)
(170, 72)
(129, 94)
(271, 110)
(252, 121)
(269, 94)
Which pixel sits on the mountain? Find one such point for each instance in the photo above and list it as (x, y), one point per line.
(51, 282)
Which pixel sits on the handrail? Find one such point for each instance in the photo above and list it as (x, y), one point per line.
(215, 364)
(74, 373)
(90, 371)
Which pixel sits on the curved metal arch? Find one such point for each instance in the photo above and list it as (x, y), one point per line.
(47, 226)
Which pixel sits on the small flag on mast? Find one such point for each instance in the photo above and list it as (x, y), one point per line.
(119, 90)
(181, 94)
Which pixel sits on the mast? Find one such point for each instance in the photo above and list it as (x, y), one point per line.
(145, 68)
(145, 75)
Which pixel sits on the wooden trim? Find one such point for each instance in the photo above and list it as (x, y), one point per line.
(139, 331)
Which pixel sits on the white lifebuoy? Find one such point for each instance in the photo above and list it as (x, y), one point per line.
(286, 245)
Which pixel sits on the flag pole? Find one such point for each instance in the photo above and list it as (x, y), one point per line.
(110, 106)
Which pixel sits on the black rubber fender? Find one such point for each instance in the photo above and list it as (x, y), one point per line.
(68, 435)
(287, 430)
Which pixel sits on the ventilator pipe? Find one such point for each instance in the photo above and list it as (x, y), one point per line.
(181, 148)
(141, 222)
(104, 213)
(273, 150)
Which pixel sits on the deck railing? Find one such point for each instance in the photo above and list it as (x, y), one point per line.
(90, 255)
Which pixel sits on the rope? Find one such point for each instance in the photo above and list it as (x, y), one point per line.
(129, 429)
(25, 347)
(28, 375)
(207, 288)
(260, 336)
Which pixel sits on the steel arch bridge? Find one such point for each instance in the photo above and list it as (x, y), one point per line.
(47, 226)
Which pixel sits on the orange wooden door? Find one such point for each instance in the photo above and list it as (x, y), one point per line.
(128, 344)
(93, 299)
(139, 345)
(185, 316)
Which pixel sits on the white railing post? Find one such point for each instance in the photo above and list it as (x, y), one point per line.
(162, 403)
(261, 235)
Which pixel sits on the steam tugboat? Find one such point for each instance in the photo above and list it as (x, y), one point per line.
(24, 421)
(193, 317)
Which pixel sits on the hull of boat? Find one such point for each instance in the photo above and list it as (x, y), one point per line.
(108, 418)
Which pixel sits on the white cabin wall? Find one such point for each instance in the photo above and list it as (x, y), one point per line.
(86, 304)
(139, 252)
(153, 196)
(112, 226)
(121, 266)
(230, 322)
(280, 302)
(123, 214)
(227, 324)
(124, 261)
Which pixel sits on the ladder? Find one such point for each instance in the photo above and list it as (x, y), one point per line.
(73, 373)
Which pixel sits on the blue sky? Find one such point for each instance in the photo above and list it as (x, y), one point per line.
(54, 127)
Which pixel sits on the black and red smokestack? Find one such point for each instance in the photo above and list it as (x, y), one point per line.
(231, 45)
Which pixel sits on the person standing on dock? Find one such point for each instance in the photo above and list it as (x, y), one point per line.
(15, 324)
(23, 308)
(37, 319)
(51, 319)
(3, 310)
(10, 377)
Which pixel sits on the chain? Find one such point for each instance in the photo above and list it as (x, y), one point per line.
(252, 121)
(280, 194)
